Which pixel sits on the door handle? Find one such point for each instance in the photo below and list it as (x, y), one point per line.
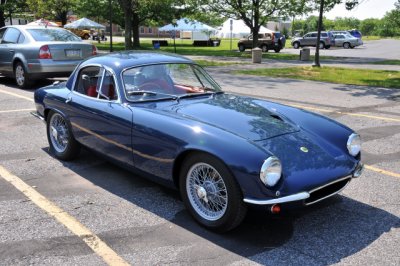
(69, 99)
(12, 51)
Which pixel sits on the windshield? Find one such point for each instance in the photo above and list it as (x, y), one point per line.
(53, 35)
(161, 81)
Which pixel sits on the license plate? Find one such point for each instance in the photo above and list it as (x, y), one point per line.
(72, 53)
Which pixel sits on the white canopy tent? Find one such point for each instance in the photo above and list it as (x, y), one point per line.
(239, 29)
(84, 23)
(198, 30)
(43, 22)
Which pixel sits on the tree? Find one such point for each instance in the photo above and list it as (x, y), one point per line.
(8, 7)
(369, 26)
(327, 5)
(254, 13)
(52, 9)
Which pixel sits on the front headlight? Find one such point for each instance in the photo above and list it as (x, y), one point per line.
(271, 171)
(354, 144)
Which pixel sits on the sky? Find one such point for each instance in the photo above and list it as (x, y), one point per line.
(366, 9)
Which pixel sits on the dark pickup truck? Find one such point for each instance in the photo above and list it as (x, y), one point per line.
(266, 41)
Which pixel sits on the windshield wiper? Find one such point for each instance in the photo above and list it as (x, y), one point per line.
(190, 95)
(152, 94)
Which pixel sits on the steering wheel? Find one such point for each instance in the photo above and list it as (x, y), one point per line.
(151, 86)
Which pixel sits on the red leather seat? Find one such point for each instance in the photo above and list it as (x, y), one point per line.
(91, 91)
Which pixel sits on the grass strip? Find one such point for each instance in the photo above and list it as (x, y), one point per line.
(185, 47)
(364, 77)
(387, 62)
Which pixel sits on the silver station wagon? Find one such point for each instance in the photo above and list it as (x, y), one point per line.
(29, 53)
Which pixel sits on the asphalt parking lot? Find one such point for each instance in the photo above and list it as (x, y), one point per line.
(146, 224)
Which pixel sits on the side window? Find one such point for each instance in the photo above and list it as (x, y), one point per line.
(324, 34)
(307, 35)
(313, 35)
(108, 89)
(21, 38)
(2, 31)
(88, 81)
(11, 36)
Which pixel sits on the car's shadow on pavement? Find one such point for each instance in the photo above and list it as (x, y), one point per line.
(321, 234)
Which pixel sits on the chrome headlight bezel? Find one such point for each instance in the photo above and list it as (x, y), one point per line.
(354, 144)
(271, 171)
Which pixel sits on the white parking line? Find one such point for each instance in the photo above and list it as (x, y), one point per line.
(16, 95)
(17, 110)
(93, 241)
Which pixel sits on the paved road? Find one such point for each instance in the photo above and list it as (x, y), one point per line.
(146, 224)
(379, 49)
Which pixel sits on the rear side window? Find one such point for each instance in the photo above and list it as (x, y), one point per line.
(324, 34)
(11, 36)
(52, 35)
(2, 31)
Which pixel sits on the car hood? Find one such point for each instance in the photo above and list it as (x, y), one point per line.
(246, 117)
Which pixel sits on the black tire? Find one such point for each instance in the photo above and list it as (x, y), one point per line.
(321, 45)
(199, 200)
(296, 45)
(277, 50)
(327, 46)
(56, 125)
(264, 48)
(241, 47)
(21, 76)
(346, 45)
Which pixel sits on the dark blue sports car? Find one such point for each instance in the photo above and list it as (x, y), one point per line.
(165, 118)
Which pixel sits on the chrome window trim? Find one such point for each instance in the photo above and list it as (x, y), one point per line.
(206, 75)
(73, 91)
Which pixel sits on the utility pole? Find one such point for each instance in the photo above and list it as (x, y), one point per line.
(111, 31)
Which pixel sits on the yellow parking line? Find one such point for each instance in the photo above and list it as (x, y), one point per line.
(345, 113)
(92, 240)
(17, 95)
(18, 110)
(381, 171)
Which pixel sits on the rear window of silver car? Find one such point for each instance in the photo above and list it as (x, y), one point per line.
(52, 35)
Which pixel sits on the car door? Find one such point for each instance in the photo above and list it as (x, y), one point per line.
(9, 44)
(339, 39)
(307, 39)
(99, 120)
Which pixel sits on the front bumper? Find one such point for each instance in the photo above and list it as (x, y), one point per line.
(315, 195)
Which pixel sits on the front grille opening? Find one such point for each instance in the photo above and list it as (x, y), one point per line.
(326, 192)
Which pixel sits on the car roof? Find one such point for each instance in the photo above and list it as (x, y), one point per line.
(32, 27)
(126, 59)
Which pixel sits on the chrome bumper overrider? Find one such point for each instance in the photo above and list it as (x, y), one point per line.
(37, 115)
(294, 197)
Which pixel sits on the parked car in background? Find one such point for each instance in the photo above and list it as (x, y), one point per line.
(310, 39)
(266, 41)
(163, 117)
(354, 33)
(28, 53)
(84, 34)
(346, 40)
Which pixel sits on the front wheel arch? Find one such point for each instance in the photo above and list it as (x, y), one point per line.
(234, 210)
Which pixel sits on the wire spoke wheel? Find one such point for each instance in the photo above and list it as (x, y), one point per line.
(59, 133)
(206, 191)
